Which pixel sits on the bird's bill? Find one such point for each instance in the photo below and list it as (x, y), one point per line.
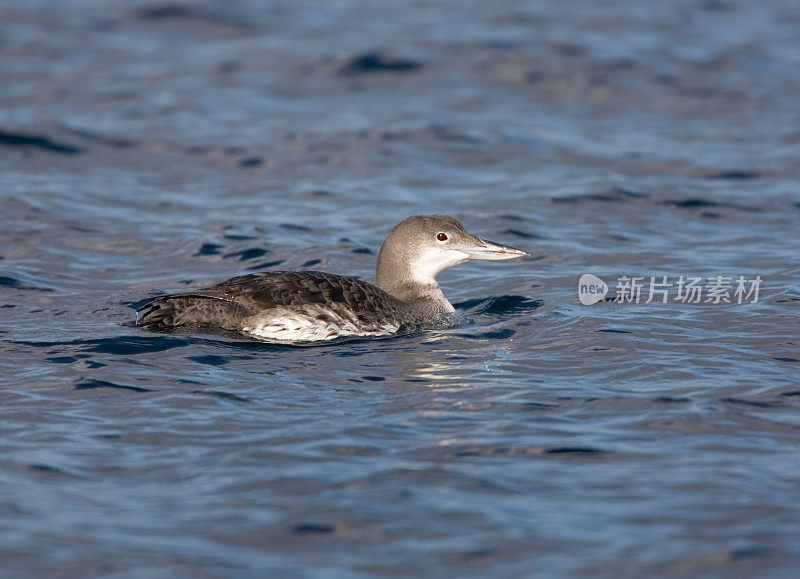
(490, 250)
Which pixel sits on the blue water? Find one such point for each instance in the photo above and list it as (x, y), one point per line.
(149, 148)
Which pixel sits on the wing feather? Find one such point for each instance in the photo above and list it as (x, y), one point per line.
(230, 303)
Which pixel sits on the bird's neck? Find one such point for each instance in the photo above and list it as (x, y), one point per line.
(428, 297)
(411, 284)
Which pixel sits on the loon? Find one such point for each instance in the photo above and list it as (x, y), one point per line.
(306, 306)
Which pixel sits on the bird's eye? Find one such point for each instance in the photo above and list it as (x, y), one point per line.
(441, 236)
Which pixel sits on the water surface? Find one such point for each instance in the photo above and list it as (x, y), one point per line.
(158, 147)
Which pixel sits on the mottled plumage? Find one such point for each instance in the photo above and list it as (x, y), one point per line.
(300, 305)
(312, 305)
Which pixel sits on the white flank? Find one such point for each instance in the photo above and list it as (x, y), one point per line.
(314, 323)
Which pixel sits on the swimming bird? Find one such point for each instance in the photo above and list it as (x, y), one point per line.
(304, 306)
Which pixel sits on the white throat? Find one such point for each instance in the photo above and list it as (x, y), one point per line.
(425, 269)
